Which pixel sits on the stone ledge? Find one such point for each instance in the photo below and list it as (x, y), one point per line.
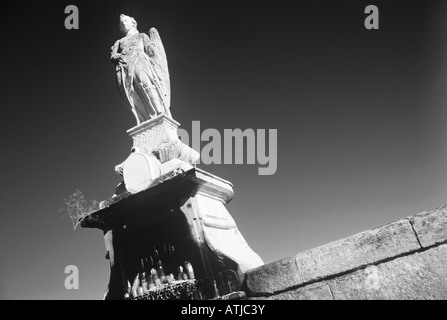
(418, 276)
(422, 275)
(358, 250)
(311, 292)
(333, 259)
(272, 277)
(431, 226)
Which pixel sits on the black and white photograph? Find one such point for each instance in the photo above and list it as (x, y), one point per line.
(224, 153)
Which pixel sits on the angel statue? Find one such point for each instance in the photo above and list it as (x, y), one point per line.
(142, 71)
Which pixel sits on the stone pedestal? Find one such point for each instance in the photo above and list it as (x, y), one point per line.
(156, 150)
(214, 227)
(186, 207)
(165, 199)
(159, 137)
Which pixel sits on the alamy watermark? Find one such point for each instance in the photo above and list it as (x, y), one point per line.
(72, 280)
(71, 21)
(219, 150)
(72, 18)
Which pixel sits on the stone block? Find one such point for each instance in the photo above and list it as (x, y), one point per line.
(418, 276)
(272, 277)
(431, 226)
(310, 292)
(356, 251)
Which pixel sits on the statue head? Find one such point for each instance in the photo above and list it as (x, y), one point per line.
(127, 23)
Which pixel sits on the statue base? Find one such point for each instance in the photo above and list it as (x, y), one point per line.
(187, 209)
(165, 200)
(159, 137)
(156, 151)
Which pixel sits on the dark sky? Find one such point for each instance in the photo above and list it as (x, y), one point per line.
(360, 117)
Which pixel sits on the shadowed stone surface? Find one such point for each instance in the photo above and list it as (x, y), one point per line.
(335, 258)
(358, 250)
(384, 263)
(272, 277)
(417, 276)
(310, 292)
(431, 226)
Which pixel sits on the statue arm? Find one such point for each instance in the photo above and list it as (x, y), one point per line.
(114, 54)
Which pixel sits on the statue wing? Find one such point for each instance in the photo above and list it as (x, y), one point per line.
(160, 63)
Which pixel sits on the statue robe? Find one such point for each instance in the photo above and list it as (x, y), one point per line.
(138, 82)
